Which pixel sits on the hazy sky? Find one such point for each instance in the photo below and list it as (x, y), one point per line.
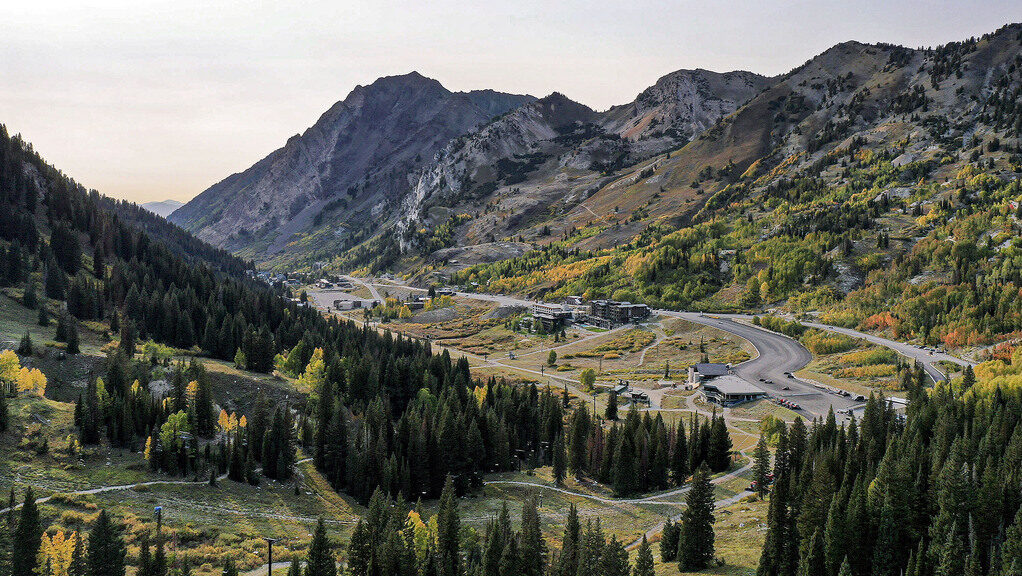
(152, 100)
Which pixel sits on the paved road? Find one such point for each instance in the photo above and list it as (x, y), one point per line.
(777, 354)
(925, 357)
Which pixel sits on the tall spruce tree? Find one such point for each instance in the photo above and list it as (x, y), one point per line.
(696, 540)
(643, 560)
(761, 466)
(448, 531)
(320, 561)
(27, 537)
(106, 550)
(568, 560)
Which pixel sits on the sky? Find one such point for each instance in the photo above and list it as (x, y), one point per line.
(154, 100)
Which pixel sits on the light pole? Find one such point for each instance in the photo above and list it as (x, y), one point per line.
(269, 555)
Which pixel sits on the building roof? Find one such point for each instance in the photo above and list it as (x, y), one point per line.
(711, 369)
(731, 384)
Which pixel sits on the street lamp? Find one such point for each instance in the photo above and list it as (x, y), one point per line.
(269, 555)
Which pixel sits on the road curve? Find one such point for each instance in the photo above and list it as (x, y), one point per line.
(777, 354)
(927, 358)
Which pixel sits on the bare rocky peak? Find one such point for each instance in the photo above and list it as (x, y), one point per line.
(361, 151)
(682, 104)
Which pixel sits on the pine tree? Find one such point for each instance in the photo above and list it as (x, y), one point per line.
(106, 549)
(680, 457)
(560, 459)
(812, 561)
(669, 541)
(611, 412)
(43, 319)
(570, 543)
(590, 552)
(27, 537)
(761, 467)
(615, 558)
(448, 531)
(532, 547)
(359, 550)
(72, 338)
(696, 541)
(643, 560)
(25, 347)
(144, 565)
(231, 570)
(320, 561)
(719, 450)
(295, 569)
(78, 566)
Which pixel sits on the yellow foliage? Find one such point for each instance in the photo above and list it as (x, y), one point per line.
(315, 374)
(54, 557)
(9, 366)
(480, 394)
(191, 390)
(31, 380)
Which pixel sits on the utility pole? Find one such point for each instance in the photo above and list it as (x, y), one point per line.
(269, 555)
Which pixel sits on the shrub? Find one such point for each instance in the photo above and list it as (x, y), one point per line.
(819, 342)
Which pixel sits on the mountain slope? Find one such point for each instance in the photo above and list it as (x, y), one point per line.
(354, 160)
(876, 185)
(163, 208)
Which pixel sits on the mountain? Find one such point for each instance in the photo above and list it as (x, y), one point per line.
(373, 159)
(876, 186)
(352, 164)
(681, 105)
(163, 207)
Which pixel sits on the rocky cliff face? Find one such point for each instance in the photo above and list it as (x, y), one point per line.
(354, 161)
(681, 105)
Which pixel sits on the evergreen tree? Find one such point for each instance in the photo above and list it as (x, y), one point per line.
(568, 560)
(532, 547)
(27, 537)
(106, 549)
(72, 338)
(144, 565)
(696, 540)
(718, 455)
(43, 319)
(360, 550)
(680, 457)
(590, 553)
(669, 541)
(448, 531)
(761, 466)
(78, 565)
(560, 459)
(320, 560)
(615, 558)
(231, 570)
(643, 560)
(611, 412)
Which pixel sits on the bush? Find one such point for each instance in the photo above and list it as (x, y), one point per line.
(819, 342)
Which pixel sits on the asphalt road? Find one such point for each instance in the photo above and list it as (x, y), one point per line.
(777, 354)
(925, 357)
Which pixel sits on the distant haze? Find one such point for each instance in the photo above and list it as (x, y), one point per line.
(155, 100)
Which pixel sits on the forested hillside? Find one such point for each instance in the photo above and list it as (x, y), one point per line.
(885, 196)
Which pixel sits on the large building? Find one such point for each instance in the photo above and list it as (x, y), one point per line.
(697, 373)
(618, 312)
(729, 389)
(551, 317)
